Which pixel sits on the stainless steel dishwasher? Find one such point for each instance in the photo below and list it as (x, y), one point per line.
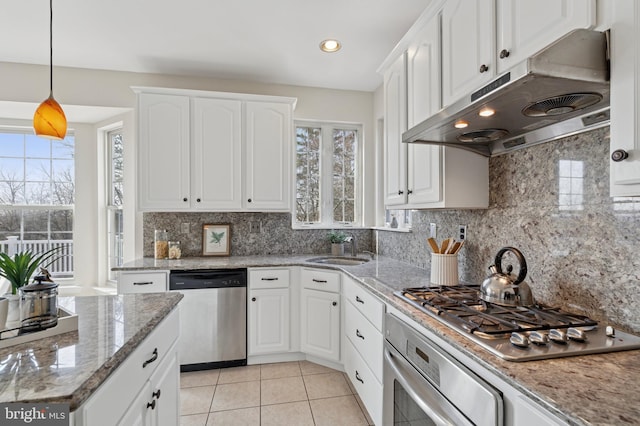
(213, 318)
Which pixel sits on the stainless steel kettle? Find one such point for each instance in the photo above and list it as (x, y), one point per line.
(502, 288)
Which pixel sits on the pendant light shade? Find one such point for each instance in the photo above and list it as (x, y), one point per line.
(49, 120)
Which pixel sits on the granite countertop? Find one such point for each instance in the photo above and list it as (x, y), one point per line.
(69, 367)
(601, 389)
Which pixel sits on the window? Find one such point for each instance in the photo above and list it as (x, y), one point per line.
(328, 185)
(570, 185)
(37, 186)
(115, 185)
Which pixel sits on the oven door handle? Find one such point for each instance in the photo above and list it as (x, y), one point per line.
(436, 406)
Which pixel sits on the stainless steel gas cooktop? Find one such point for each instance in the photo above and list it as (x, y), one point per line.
(517, 333)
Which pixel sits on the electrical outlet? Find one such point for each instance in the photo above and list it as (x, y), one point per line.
(432, 230)
(254, 227)
(184, 228)
(462, 232)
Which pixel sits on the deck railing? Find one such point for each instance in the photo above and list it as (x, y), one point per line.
(62, 266)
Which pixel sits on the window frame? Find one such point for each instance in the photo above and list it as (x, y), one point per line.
(25, 206)
(111, 208)
(326, 175)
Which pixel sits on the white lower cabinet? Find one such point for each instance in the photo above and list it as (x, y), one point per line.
(144, 389)
(365, 382)
(142, 281)
(269, 311)
(320, 313)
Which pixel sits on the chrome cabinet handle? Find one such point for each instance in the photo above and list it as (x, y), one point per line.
(143, 283)
(619, 155)
(359, 300)
(484, 68)
(358, 378)
(152, 359)
(358, 334)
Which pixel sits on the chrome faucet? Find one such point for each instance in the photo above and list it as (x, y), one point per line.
(354, 245)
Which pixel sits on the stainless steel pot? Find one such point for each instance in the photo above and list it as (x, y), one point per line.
(502, 288)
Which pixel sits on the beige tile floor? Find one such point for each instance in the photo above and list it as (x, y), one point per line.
(289, 393)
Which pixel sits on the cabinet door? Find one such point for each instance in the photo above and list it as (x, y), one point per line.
(395, 115)
(139, 412)
(423, 100)
(163, 152)
(165, 389)
(625, 98)
(321, 324)
(468, 47)
(525, 27)
(216, 157)
(268, 321)
(269, 131)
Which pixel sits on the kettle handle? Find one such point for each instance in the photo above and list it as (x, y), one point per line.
(523, 263)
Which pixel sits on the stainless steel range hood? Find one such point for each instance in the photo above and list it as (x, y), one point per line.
(561, 90)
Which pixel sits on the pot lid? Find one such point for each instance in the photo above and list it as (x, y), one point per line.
(39, 285)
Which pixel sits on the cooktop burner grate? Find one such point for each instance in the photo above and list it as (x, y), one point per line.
(463, 307)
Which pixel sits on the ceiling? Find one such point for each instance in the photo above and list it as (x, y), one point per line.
(271, 41)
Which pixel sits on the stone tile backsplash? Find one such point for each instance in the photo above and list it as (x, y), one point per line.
(551, 201)
(276, 237)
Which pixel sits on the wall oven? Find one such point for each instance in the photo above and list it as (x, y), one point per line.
(426, 386)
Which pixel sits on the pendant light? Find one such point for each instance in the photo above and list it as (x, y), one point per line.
(49, 120)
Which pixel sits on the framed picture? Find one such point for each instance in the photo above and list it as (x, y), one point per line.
(216, 239)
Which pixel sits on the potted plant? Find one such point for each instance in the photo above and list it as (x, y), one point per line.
(19, 269)
(337, 240)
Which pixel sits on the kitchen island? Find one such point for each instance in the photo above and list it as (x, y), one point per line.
(583, 390)
(69, 368)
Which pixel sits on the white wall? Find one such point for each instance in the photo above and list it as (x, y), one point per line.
(95, 88)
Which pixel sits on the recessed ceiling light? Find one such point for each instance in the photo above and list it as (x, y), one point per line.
(330, 45)
(486, 112)
(461, 124)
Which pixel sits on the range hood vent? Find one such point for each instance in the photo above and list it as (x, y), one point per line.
(560, 91)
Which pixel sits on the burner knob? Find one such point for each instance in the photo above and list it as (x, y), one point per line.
(538, 338)
(610, 331)
(576, 334)
(519, 340)
(557, 336)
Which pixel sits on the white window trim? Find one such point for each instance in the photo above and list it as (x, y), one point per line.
(326, 182)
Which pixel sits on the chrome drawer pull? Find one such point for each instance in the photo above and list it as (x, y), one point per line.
(143, 283)
(152, 359)
(358, 377)
(359, 300)
(358, 334)
(319, 281)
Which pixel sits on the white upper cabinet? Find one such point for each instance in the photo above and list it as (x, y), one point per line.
(468, 46)
(525, 27)
(395, 114)
(213, 151)
(625, 99)
(423, 100)
(163, 148)
(217, 154)
(269, 140)
(483, 38)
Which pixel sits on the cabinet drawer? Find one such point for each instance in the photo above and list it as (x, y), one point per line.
(321, 280)
(365, 338)
(368, 388)
(372, 308)
(268, 278)
(108, 403)
(142, 282)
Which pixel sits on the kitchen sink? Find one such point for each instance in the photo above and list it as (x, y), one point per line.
(338, 260)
